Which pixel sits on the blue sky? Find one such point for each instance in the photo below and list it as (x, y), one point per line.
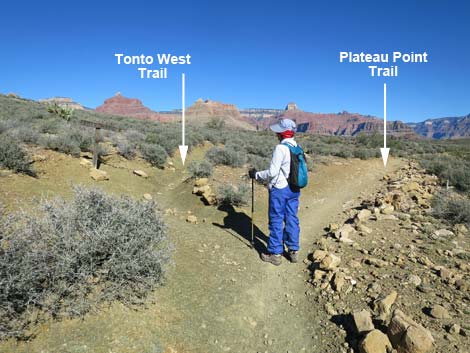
(249, 53)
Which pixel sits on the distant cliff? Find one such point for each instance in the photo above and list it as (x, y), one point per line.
(451, 127)
(340, 124)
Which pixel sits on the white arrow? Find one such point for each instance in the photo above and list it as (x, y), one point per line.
(183, 148)
(384, 151)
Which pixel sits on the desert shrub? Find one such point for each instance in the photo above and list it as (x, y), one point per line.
(216, 123)
(257, 162)
(343, 153)
(134, 136)
(154, 154)
(200, 169)
(82, 138)
(364, 153)
(49, 126)
(236, 144)
(168, 140)
(66, 257)
(126, 149)
(456, 170)
(13, 157)
(452, 207)
(226, 156)
(25, 134)
(61, 143)
(233, 195)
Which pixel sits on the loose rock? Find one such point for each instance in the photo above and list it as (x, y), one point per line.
(98, 175)
(439, 312)
(363, 321)
(375, 342)
(141, 173)
(407, 336)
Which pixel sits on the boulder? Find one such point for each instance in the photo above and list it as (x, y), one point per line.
(387, 209)
(86, 163)
(191, 219)
(375, 342)
(363, 215)
(333, 227)
(363, 321)
(319, 255)
(442, 233)
(414, 279)
(209, 198)
(376, 262)
(201, 182)
(344, 233)
(200, 190)
(141, 173)
(454, 329)
(412, 186)
(330, 262)
(407, 336)
(439, 312)
(383, 305)
(98, 175)
(338, 281)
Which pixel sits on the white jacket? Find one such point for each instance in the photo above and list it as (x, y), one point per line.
(279, 170)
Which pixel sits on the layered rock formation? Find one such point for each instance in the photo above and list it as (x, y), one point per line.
(130, 107)
(63, 101)
(203, 111)
(452, 127)
(341, 124)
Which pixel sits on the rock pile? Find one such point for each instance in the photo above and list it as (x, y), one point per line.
(389, 257)
(203, 189)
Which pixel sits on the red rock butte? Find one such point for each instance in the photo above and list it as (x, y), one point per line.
(130, 107)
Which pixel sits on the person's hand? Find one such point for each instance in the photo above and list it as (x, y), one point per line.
(252, 173)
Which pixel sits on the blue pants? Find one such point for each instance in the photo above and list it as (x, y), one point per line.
(283, 221)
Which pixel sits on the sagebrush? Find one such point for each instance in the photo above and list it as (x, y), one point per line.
(66, 257)
(233, 195)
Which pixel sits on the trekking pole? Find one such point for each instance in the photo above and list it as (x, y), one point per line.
(252, 212)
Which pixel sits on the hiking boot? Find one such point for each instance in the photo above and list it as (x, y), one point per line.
(275, 259)
(293, 256)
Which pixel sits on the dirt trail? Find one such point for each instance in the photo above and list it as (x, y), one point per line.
(220, 297)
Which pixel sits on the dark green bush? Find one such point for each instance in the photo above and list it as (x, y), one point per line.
(127, 149)
(233, 195)
(453, 169)
(216, 123)
(200, 169)
(49, 126)
(452, 207)
(257, 162)
(13, 157)
(68, 256)
(61, 143)
(226, 156)
(154, 154)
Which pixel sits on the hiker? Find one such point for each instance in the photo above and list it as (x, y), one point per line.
(284, 192)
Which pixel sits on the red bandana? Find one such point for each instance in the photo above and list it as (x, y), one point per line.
(287, 134)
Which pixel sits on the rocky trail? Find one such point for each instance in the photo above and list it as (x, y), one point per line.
(220, 297)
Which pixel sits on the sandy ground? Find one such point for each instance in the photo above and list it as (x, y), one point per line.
(219, 296)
